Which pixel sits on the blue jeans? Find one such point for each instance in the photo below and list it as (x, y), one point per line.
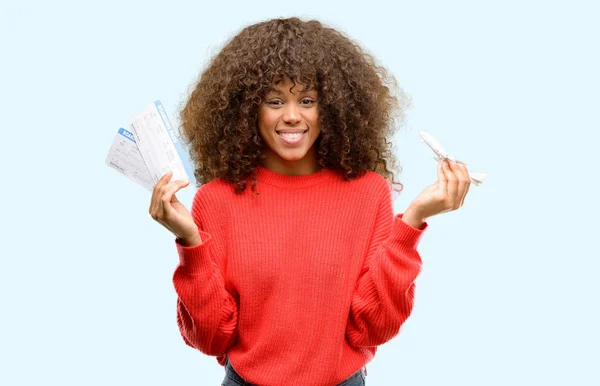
(233, 379)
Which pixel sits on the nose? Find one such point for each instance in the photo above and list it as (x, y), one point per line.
(291, 114)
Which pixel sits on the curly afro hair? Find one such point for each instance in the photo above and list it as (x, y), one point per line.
(357, 107)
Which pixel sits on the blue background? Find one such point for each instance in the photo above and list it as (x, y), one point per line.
(509, 289)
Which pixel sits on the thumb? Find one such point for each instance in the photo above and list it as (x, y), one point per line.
(181, 185)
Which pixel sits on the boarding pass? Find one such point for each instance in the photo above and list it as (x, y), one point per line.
(149, 149)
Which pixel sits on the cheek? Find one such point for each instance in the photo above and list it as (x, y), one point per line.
(314, 120)
(267, 120)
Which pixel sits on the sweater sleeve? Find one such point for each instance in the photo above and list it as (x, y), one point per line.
(206, 312)
(384, 293)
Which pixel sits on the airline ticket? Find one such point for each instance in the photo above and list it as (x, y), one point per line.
(149, 149)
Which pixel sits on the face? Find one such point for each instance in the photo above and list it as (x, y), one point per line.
(288, 122)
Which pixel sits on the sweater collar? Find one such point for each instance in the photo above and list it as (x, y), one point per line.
(284, 181)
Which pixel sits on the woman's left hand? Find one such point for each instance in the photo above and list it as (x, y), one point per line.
(446, 194)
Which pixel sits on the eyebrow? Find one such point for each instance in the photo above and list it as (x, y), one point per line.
(304, 91)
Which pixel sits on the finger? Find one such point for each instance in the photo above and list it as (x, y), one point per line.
(465, 183)
(460, 171)
(154, 201)
(163, 180)
(462, 201)
(452, 181)
(168, 197)
(442, 180)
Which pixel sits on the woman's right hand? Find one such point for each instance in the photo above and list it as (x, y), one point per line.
(172, 214)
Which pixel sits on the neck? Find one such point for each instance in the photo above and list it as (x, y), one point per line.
(302, 167)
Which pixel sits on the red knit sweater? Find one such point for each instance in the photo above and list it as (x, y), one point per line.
(299, 285)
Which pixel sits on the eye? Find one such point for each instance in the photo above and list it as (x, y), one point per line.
(275, 102)
(307, 101)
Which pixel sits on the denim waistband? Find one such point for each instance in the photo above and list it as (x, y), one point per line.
(231, 373)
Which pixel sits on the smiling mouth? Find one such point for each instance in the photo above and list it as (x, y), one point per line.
(291, 138)
(291, 135)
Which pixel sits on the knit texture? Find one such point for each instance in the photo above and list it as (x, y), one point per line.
(300, 284)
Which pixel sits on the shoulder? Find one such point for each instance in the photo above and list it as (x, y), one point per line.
(212, 196)
(372, 184)
(375, 179)
(215, 187)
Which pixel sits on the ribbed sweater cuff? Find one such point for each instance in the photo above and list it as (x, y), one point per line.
(195, 258)
(405, 234)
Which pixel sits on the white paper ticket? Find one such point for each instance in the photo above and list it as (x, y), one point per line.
(149, 149)
(124, 156)
(156, 140)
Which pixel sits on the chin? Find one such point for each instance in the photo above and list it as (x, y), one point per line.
(289, 158)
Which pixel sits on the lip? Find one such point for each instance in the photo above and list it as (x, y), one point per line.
(297, 141)
(291, 131)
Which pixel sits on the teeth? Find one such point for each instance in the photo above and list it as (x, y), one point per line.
(291, 135)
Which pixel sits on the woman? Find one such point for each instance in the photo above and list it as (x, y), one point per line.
(293, 267)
